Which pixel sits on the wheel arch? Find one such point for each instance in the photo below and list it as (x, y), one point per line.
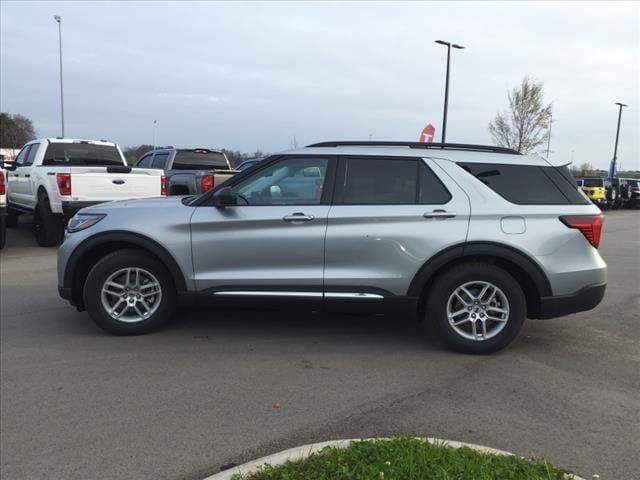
(91, 250)
(526, 272)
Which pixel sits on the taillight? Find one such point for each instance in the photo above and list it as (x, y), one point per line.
(3, 189)
(163, 186)
(589, 225)
(207, 183)
(64, 183)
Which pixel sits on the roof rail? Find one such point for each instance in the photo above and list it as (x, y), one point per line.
(434, 146)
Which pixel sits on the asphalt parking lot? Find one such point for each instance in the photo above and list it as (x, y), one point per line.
(77, 403)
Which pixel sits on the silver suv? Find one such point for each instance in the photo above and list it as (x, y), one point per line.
(472, 238)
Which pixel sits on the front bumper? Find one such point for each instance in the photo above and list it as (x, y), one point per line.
(581, 301)
(69, 209)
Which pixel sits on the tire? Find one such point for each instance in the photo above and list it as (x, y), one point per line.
(47, 226)
(474, 276)
(3, 231)
(127, 321)
(12, 218)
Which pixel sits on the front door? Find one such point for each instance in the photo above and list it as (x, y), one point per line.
(18, 180)
(271, 243)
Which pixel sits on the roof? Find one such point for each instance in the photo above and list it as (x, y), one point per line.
(77, 140)
(460, 153)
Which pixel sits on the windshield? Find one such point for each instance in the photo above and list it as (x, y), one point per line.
(593, 182)
(199, 159)
(81, 154)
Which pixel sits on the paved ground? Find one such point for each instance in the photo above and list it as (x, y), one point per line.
(79, 404)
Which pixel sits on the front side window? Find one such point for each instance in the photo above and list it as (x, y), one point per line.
(295, 181)
(145, 162)
(22, 156)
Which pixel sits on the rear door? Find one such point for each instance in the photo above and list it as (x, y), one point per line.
(389, 217)
(271, 244)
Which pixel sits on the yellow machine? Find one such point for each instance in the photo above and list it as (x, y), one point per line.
(594, 189)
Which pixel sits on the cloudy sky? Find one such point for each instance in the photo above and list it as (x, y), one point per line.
(252, 75)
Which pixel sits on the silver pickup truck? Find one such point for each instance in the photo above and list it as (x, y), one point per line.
(189, 171)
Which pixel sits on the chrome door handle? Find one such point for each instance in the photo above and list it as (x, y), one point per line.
(439, 214)
(298, 217)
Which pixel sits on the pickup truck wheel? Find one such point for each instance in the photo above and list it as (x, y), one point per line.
(12, 218)
(3, 230)
(129, 292)
(48, 227)
(476, 307)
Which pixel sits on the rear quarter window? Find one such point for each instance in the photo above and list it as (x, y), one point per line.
(528, 184)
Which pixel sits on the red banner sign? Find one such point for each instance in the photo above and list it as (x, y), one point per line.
(427, 134)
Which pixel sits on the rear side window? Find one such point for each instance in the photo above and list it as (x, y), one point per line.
(199, 159)
(528, 184)
(387, 181)
(144, 162)
(32, 154)
(160, 160)
(81, 154)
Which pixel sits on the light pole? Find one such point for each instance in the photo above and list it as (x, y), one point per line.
(58, 19)
(612, 170)
(155, 122)
(446, 86)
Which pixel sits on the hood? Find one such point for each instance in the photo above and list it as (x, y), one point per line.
(156, 203)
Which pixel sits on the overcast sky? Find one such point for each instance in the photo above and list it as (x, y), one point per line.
(252, 75)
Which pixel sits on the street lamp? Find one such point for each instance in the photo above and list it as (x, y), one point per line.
(155, 122)
(612, 169)
(58, 19)
(446, 87)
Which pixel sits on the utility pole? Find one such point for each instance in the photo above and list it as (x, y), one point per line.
(58, 19)
(446, 85)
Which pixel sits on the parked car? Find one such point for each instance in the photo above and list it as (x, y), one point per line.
(594, 188)
(620, 191)
(472, 238)
(3, 207)
(248, 163)
(633, 193)
(53, 178)
(189, 171)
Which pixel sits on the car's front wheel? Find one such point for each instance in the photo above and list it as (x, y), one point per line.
(476, 307)
(129, 292)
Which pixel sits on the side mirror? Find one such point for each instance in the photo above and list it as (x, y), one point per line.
(224, 197)
(9, 165)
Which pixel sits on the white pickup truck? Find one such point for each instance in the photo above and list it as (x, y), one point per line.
(53, 178)
(3, 207)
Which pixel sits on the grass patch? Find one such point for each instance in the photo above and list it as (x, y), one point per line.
(406, 458)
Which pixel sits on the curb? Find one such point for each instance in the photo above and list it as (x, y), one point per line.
(304, 451)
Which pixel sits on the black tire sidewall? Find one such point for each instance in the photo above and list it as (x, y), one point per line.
(3, 230)
(51, 231)
(113, 262)
(12, 219)
(446, 284)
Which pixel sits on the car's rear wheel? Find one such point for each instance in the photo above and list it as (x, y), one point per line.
(3, 230)
(48, 227)
(129, 292)
(476, 307)
(12, 218)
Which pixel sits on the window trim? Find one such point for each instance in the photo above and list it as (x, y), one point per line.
(340, 184)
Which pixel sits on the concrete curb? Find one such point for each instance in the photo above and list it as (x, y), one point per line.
(300, 453)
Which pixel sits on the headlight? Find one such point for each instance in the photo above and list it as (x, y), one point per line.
(82, 221)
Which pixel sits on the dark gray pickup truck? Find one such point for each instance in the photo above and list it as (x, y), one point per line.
(189, 171)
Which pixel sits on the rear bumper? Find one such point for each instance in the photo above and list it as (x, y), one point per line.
(69, 209)
(583, 300)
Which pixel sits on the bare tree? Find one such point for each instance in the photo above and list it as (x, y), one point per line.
(586, 169)
(15, 130)
(525, 125)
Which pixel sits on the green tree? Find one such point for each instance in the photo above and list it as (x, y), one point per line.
(15, 130)
(525, 125)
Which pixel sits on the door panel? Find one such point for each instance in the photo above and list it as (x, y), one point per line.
(275, 238)
(384, 246)
(17, 180)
